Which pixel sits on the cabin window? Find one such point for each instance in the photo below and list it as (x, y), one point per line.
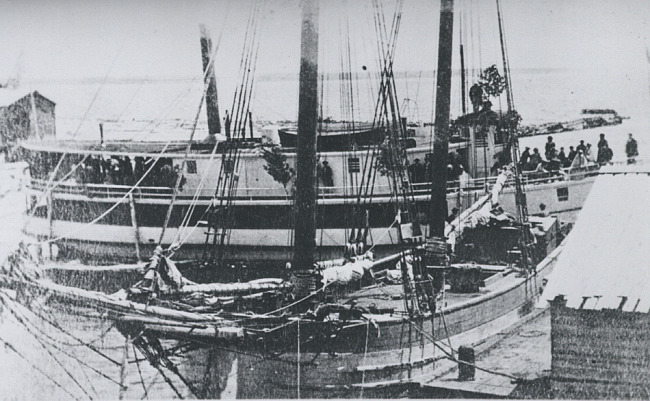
(563, 194)
(354, 165)
(191, 166)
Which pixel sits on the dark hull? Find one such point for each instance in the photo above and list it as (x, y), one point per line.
(385, 366)
(335, 140)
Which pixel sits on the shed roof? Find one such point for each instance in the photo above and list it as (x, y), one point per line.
(10, 96)
(605, 262)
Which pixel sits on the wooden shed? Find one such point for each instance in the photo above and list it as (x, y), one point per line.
(600, 293)
(24, 114)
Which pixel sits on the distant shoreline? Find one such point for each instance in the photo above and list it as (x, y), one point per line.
(365, 75)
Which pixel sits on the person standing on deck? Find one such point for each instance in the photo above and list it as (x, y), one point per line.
(631, 150)
(572, 154)
(605, 154)
(416, 171)
(328, 175)
(589, 154)
(549, 147)
(563, 159)
(319, 172)
(602, 142)
(535, 159)
(581, 147)
(525, 156)
(427, 168)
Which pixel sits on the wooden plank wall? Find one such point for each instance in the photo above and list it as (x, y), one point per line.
(603, 353)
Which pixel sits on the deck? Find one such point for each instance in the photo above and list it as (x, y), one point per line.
(522, 351)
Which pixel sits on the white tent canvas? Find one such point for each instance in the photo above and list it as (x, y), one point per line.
(605, 261)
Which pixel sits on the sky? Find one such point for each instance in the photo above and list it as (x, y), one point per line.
(118, 39)
(119, 59)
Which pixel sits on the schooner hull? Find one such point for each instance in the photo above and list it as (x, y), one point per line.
(383, 367)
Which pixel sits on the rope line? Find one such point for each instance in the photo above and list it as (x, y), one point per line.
(36, 367)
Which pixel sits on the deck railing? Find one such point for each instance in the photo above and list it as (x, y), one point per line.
(419, 189)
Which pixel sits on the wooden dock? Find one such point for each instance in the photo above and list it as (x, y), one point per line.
(522, 351)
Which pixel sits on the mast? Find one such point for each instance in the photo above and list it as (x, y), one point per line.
(462, 80)
(305, 198)
(211, 98)
(438, 206)
(520, 194)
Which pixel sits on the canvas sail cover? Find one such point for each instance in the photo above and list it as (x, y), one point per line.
(605, 264)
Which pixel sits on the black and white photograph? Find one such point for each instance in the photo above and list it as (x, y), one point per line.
(309, 199)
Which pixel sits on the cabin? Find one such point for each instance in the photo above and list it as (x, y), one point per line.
(600, 293)
(24, 114)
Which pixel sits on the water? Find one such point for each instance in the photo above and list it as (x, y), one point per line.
(541, 96)
(160, 107)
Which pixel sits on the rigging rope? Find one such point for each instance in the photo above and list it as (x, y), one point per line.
(179, 178)
(450, 356)
(81, 342)
(51, 185)
(36, 367)
(116, 204)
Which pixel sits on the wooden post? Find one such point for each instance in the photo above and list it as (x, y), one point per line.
(34, 115)
(125, 362)
(136, 229)
(50, 220)
(466, 368)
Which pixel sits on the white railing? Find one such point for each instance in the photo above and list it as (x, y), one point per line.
(419, 189)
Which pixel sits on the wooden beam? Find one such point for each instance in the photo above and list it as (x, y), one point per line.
(136, 229)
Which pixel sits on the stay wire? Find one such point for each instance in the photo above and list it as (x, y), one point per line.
(36, 367)
(115, 205)
(452, 358)
(67, 372)
(35, 331)
(49, 187)
(81, 342)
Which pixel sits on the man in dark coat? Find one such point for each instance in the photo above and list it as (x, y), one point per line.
(548, 148)
(602, 142)
(563, 159)
(631, 150)
(418, 171)
(605, 154)
(582, 147)
(525, 156)
(328, 176)
(535, 158)
(572, 154)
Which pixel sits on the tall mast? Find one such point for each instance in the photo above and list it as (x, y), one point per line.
(305, 198)
(438, 207)
(463, 90)
(520, 194)
(211, 98)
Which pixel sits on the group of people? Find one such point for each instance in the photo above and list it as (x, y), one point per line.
(581, 155)
(418, 172)
(120, 170)
(421, 172)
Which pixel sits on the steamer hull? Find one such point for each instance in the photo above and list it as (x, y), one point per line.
(262, 226)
